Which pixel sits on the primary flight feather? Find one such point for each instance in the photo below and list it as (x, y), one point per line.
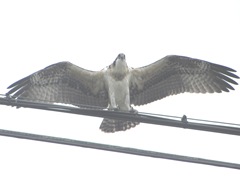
(118, 86)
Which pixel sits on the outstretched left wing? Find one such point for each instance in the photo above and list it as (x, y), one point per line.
(62, 82)
(178, 74)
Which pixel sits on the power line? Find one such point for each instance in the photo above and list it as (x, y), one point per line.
(28, 100)
(192, 119)
(119, 149)
(140, 117)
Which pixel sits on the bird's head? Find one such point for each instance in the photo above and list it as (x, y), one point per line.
(121, 56)
(120, 62)
(119, 66)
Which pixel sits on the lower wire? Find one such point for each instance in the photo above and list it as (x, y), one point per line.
(119, 149)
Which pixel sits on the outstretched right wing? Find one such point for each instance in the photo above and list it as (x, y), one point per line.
(62, 82)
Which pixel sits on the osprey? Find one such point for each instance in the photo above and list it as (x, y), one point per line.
(118, 86)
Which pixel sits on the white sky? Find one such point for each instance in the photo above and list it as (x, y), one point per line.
(90, 34)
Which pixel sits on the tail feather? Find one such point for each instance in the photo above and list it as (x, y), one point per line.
(110, 125)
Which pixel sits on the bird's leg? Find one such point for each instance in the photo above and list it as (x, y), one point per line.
(113, 106)
(134, 111)
(116, 108)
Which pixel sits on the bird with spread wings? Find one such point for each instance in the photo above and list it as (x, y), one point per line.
(118, 86)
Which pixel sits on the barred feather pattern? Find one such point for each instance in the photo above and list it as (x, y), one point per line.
(111, 126)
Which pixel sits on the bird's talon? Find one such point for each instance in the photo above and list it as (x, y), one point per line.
(113, 109)
(133, 110)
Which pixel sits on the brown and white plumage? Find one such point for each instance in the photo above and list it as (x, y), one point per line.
(118, 86)
(178, 74)
(62, 82)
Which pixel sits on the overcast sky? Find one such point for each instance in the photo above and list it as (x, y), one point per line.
(90, 34)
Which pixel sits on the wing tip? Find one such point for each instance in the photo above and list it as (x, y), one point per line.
(225, 70)
(19, 82)
(18, 87)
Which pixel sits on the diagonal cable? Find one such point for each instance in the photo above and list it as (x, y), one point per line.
(119, 149)
(144, 118)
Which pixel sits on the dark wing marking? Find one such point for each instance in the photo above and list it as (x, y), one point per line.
(62, 82)
(178, 74)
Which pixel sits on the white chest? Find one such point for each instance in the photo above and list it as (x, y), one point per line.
(118, 91)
